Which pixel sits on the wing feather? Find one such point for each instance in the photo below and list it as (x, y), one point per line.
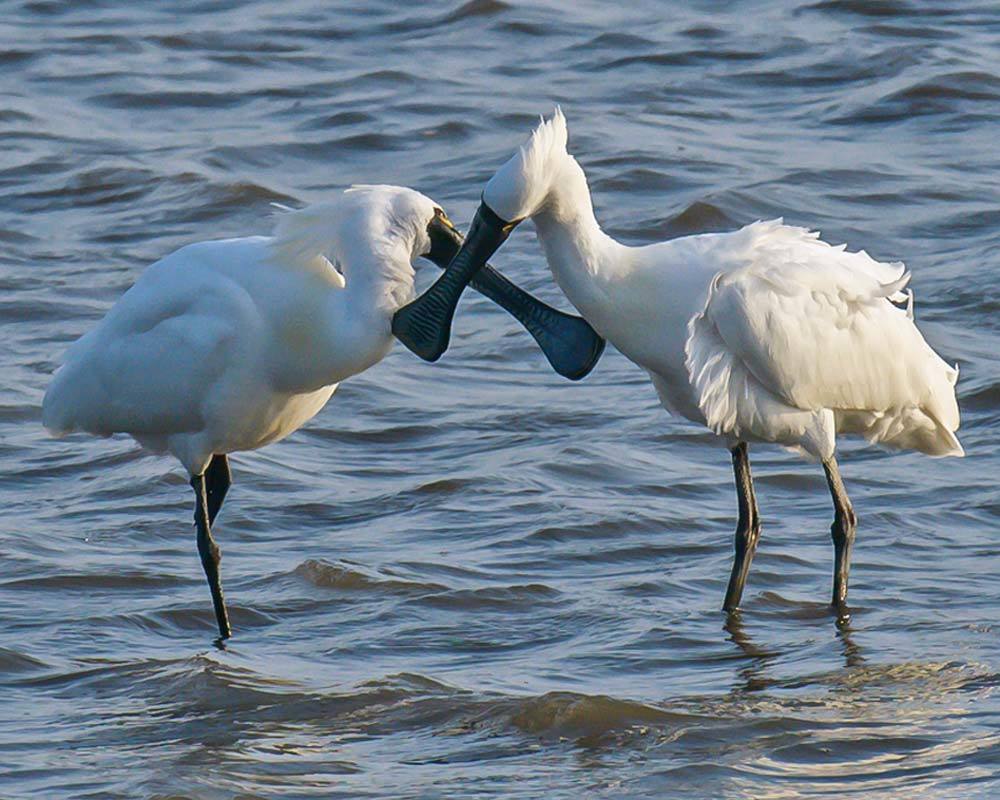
(816, 328)
(147, 368)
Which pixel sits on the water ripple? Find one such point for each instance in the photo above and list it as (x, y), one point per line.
(472, 577)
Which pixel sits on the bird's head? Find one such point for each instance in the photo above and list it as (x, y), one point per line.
(522, 186)
(528, 183)
(406, 218)
(388, 226)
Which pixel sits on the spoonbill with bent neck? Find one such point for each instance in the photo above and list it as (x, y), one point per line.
(229, 345)
(765, 334)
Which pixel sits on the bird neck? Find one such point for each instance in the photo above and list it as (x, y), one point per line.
(381, 281)
(361, 313)
(343, 328)
(583, 259)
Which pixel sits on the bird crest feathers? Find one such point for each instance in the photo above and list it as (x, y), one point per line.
(520, 186)
(303, 235)
(547, 142)
(365, 223)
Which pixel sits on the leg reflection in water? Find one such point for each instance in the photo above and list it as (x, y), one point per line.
(754, 676)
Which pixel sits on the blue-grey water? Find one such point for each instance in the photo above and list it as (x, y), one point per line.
(473, 578)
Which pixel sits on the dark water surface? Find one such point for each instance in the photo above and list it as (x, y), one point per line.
(475, 579)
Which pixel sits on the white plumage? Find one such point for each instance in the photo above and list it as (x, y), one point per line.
(804, 342)
(765, 334)
(228, 345)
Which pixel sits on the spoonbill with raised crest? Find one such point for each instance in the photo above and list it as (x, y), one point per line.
(765, 334)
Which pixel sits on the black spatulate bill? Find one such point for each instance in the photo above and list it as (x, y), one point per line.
(571, 346)
(424, 325)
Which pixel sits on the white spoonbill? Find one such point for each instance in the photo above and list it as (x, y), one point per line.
(765, 334)
(230, 345)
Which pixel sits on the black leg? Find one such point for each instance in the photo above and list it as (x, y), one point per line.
(747, 528)
(218, 479)
(845, 524)
(210, 554)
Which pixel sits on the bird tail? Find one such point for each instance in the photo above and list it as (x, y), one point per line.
(950, 446)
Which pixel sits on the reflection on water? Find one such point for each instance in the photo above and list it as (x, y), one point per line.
(474, 578)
